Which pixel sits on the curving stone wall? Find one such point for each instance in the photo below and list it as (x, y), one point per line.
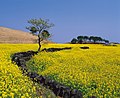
(55, 49)
(58, 88)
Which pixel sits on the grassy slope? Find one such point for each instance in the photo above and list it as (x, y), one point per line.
(15, 36)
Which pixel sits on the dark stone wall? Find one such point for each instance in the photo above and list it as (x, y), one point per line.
(55, 49)
(85, 47)
(58, 88)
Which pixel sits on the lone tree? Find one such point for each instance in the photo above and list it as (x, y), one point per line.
(39, 27)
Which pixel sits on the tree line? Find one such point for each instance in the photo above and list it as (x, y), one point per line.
(88, 39)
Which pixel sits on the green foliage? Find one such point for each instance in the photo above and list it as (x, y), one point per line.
(80, 39)
(74, 41)
(33, 30)
(45, 35)
(88, 39)
(39, 27)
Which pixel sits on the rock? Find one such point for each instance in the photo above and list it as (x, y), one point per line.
(85, 47)
(76, 94)
(33, 75)
(93, 97)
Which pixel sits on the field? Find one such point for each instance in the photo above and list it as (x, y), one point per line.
(94, 71)
(12, 83)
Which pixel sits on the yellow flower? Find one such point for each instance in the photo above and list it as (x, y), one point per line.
(27, 95)
(23, 97)
(12, 95)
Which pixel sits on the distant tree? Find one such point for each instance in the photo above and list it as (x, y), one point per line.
(74, 41)
(106, 41)
(94, 38)
(99, 39)
(85, 38)
(90, 38)
(80, 39)
(39, 27)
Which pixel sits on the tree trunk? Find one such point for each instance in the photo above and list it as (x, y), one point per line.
(39, 43)
(39, 40)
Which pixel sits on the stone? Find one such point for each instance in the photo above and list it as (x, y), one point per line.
(85, 47)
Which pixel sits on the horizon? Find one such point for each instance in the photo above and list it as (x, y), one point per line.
(71, 18)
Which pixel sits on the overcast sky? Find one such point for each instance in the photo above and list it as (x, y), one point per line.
(71, 17)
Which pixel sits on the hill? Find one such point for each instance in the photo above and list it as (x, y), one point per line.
(8, 35)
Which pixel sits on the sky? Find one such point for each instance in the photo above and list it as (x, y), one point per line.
(71, 17)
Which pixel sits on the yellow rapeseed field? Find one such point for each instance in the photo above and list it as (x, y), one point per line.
(94, 71)
(12, 83)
